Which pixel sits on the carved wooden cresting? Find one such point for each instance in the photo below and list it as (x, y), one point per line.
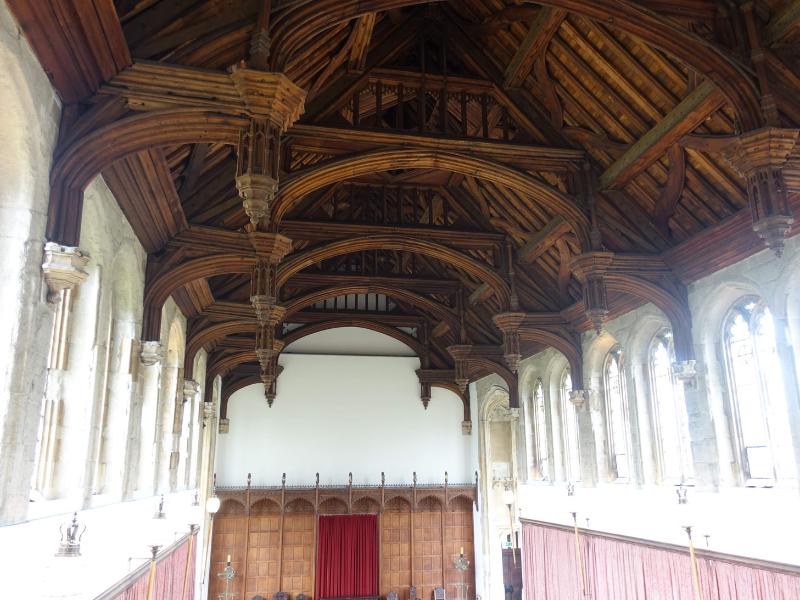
(478, 181)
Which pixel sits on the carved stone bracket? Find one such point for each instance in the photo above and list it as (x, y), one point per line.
(590, 269)
(64, 268)
(190, 389)
(509, 323)
(759, 156)
(224, 426)
(466, 427)
(583, 399)
(151, 353)
(460, 353)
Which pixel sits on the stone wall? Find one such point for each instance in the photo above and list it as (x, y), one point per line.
(28, 129)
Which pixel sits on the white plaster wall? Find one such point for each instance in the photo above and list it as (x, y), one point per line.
(337, 414)
(28, 128)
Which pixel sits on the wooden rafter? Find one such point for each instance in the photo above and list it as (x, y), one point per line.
(533, 45)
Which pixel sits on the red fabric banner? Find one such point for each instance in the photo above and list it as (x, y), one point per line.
(347, 556)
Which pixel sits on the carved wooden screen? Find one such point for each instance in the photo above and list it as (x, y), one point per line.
(428, 547)
(416, 547)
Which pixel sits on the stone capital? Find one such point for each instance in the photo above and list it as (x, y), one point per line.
(151, 353)
(190, 389)
(64, 268)
(582, 399)
(685, 371)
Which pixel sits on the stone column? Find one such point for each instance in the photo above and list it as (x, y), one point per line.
(705, 454)
(791, 405)
(582, 399)
(167, 415)
(191, 394)
(149, 384)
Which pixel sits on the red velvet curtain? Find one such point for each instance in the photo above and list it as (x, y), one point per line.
(347, 556)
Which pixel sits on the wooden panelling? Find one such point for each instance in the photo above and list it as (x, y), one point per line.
(298, 553)
(396, 552)
(281, 545)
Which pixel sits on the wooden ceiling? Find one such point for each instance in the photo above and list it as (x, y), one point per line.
(473, 139)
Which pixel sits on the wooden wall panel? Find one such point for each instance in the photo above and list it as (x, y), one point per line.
(263, 555)
(396, 553)
(427, 551)
(228, 538)
(458, 534)
(298, 553)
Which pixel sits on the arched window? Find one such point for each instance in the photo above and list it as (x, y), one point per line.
(542, 454)
(569, 417)
(669, 410)
(754, 382)
(617, 414)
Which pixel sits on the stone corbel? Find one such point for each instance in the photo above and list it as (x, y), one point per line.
(224, 426)
(190, 389)
(685, 371)
(583, 399)
(64, 268)
(759, 156)
(466, 427)
(151, 353)
(509, 324)
(590, 269)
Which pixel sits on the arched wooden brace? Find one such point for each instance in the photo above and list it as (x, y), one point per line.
(482, 271)
(301, 183)
(571, 349)
(165, 283)
(431, 306)
(79, 163)
(211, 334)
(676, 309)
(481, 366)
(293, 28)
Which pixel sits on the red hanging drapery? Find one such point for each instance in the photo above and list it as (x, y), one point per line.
(347, 556)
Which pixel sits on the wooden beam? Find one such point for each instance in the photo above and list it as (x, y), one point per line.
(340, 140)
(534, 45)
(481, 293)
(781, 23)
(362, 35)
(687, 115)
(671, 193)
(542, 240)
